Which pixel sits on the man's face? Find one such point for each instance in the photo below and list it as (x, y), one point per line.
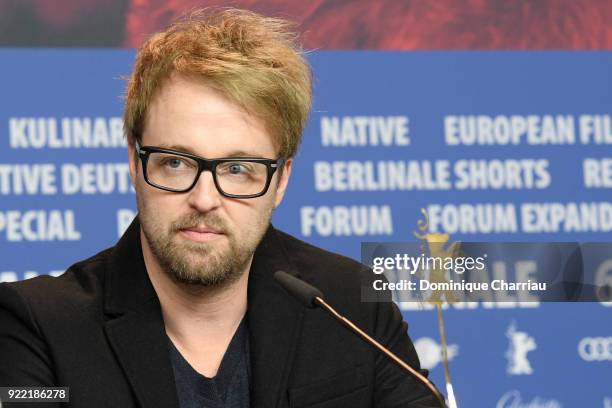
(201, 237)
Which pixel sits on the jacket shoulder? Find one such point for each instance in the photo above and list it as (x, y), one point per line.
(80, 286)
(309, 258)
(340, 278)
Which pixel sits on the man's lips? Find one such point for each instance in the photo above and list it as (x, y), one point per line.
(201, 234)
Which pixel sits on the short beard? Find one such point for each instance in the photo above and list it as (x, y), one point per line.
(200, 263)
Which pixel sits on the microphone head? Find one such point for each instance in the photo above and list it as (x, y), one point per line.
(301, 290)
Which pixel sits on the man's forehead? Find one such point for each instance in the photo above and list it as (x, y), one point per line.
(178, 91)
(189, 116)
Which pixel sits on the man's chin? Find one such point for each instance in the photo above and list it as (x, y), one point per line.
(188, 246)
(198, 261)
(205, 275)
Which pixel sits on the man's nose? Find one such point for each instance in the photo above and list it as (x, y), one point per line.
(204, 196)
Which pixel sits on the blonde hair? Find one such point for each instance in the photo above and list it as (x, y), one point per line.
(253, 60)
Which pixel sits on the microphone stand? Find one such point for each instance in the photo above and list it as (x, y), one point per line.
(320, 302)
(312, 297)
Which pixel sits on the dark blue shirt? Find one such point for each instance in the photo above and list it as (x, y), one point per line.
(228, 389)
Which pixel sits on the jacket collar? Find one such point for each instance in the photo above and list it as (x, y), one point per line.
(275, 321)
(136, 332)
(127, 284)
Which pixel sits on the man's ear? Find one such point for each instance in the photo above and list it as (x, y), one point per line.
(133, 161)
(283, 182)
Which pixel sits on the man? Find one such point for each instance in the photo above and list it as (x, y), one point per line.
(184, 310)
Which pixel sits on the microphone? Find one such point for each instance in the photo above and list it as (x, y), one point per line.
(312, 297)
(301, 290)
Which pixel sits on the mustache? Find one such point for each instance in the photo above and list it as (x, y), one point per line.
(195, 220)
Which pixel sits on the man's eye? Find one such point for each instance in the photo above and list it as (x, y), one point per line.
(174, 162)
(236, 168)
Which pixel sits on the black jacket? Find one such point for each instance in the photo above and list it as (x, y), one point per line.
(98, 329)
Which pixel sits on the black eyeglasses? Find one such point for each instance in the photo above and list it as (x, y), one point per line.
(234, 177)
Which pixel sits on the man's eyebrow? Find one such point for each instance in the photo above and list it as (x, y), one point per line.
(178, 148)
(242, 153)
(187, 149)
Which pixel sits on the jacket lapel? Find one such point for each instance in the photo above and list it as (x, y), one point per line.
(275, 321)
(135, 327)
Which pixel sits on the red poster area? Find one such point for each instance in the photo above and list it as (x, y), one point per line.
(417, 24)
(328, 24)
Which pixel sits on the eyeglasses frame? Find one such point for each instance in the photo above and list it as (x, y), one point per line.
(210, 165)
